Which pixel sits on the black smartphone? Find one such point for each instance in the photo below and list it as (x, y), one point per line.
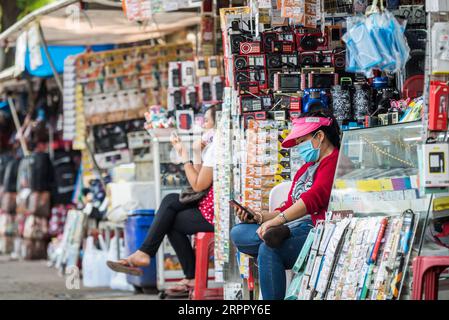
(249, 212)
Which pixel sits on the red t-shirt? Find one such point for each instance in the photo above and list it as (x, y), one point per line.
(316, 197)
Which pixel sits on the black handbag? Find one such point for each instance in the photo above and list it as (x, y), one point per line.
(188, 195)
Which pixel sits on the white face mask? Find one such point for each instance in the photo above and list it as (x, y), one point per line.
(208, 136)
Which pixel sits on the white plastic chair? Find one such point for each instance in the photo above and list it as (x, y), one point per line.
(277, 196)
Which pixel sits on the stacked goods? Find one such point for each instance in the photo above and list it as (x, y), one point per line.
(8, 195)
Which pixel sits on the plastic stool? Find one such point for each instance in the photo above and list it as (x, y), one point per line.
(426, 272)
(204, 243)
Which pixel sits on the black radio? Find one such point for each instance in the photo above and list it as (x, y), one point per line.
(283, 47)
(318, 80)
(324, 58)
(287, 82)
(236, 40)
(261, 115)
(247, 62)
(288, 101)
(257, 75)
(277, 61)
(279, 42)
(250, 103)
(248, 88)
(250, 48)
(311, 40)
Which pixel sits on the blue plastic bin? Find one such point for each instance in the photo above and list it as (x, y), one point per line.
(136, 228)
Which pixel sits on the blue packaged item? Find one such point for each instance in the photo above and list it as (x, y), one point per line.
(399, 41)
(381, 33)
(314, 99)
(380, 82)
(359, 41)
(136, 229)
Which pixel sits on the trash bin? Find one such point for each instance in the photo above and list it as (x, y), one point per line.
(136, 228)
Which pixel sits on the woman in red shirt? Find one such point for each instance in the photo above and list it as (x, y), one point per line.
(281, 234)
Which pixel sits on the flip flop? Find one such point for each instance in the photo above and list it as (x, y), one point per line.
(179, 290)
(118, 267)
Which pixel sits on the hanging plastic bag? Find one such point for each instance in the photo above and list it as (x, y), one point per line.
(399, 40)
(361, 47)
(380, 30)
(375, 42)
(95, 271)
(118, 280)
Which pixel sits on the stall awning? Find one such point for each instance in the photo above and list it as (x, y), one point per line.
(58, 54)
(64, 23)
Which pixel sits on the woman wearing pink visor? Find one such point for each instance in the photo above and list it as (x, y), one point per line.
(280, 236)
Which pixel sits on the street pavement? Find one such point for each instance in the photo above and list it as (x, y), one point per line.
(33, 280)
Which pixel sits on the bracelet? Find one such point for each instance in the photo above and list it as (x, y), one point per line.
(190, 161)
(282, 215)
(260, 218)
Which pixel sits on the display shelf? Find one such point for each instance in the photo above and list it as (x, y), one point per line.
(161, 148)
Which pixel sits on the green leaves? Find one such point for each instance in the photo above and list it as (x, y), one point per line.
(28, 6)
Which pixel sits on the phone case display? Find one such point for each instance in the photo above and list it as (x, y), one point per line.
(378, 171)
(190, 85)
(119, 85)
(111, 142)
(355, 259)
(70, 129)
(440, 43)
(222, 187)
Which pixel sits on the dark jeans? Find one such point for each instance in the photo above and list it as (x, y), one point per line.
(176, 220)
(272, 262)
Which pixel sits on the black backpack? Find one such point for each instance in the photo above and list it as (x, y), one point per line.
(65, 177)
(41, 172)
(4, 160)
(10, 176)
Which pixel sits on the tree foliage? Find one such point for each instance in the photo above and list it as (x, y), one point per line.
(27, 6)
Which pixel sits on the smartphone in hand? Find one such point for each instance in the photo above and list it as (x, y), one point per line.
(249, 212)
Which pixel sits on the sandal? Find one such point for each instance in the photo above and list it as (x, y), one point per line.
(180, 289)
(128, 269)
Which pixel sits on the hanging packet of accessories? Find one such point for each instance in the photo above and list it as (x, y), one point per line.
(376, 41)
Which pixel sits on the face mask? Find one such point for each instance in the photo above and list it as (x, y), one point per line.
(208, 136)
(307, 152)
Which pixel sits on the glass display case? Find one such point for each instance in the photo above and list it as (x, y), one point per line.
(378, 171)
(169, 178)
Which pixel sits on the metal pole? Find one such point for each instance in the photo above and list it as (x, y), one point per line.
(50, 61)
(18, 126)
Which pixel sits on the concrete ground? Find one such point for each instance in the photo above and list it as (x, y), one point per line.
(35, 280)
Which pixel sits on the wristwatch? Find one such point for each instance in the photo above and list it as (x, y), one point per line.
(282, 215)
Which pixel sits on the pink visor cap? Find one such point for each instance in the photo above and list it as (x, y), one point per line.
(304, 126)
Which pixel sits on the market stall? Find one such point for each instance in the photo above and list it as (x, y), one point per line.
(377, 66)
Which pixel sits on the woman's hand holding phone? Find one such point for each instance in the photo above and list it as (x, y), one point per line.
(244, 216)
(179, 146)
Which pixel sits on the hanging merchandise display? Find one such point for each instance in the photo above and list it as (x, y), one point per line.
(274, 73)
(375, 42)
(112, 89)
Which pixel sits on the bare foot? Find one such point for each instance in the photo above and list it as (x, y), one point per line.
(137, 259)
